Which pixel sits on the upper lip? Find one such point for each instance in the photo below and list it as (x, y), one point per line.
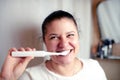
(60, 51)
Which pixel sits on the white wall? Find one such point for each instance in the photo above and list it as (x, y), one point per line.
(20, 22)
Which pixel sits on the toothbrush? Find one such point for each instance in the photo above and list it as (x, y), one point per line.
(37, 53)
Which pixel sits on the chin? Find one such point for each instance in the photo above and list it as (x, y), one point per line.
(63, 60)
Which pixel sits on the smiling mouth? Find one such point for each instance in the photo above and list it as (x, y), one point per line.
(64, 52)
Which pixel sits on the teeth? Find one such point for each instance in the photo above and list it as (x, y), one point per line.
(65, 52)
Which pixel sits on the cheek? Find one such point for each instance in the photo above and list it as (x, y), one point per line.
(51, 46)
(75, 43)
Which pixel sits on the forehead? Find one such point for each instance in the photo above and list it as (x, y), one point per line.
(61, 23)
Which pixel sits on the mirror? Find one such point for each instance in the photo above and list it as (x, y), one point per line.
(108, 19)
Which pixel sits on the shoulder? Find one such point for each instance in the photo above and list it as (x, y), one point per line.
(35, 68)
(34, 72)
(38, 69)
(89, 62)
(92, 67)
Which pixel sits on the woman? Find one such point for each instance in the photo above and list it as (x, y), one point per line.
(60, 34)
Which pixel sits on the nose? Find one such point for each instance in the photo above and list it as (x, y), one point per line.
(63, 43)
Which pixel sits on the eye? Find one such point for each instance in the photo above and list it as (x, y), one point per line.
(53, 37)
(71, 35)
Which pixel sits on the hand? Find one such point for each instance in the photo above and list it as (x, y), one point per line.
(13, 67)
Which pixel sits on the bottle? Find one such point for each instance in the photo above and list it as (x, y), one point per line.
(110, 48)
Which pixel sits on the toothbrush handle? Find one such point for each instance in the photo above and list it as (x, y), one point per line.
(36, 53)
(28, 53)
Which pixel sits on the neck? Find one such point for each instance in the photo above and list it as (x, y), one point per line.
(65, 69)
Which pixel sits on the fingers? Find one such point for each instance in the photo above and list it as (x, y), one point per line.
(21, 66)
(10, 51)
(12, 61)
(24, 62)
(8, 64)
(14, 65)
(26, 49)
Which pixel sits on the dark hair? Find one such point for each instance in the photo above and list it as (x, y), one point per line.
(53, 16)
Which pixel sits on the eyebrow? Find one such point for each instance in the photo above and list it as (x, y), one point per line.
(53, 34)
(71, 31)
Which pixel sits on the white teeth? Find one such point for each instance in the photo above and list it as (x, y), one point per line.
(65, 52)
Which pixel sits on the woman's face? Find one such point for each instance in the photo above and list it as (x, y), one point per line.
(62, 35)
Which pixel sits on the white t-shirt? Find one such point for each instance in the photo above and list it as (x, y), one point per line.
(91, 71)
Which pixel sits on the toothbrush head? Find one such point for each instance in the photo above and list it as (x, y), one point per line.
(64, 52)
